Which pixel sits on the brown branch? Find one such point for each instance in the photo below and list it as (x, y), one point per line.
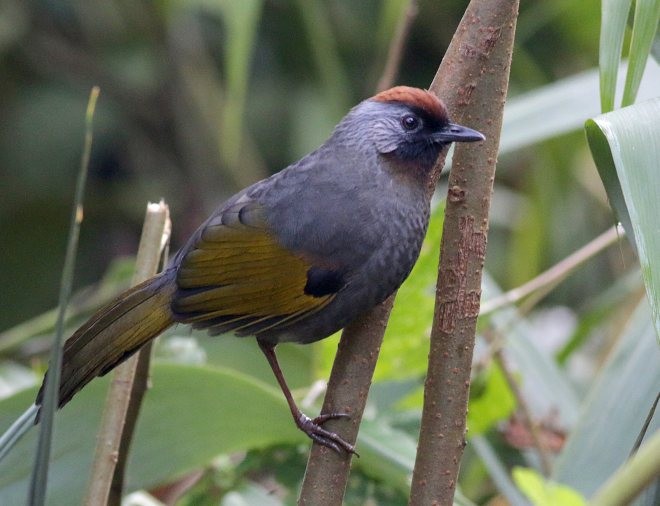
(327, 471)
(473, 81)
(397, 46)
(114, 429)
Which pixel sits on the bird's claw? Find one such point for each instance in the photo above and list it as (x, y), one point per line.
(313, 428)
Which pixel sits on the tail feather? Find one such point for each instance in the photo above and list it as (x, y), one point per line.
(114, 333)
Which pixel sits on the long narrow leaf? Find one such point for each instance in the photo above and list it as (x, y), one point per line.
(40, 470)
(614, 16)
(647, 13)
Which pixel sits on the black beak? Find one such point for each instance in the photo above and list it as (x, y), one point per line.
(457, 133)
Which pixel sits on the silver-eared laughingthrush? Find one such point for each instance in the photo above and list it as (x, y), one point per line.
(294, 257)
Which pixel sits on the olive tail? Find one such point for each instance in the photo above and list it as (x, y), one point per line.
(114, 333)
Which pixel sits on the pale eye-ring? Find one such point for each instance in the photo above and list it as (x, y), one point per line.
(410, 122)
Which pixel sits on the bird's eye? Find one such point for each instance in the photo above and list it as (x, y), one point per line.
(410, 122)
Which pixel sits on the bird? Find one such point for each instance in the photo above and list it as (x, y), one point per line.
(294, 257)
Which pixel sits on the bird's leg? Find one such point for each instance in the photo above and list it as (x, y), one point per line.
(312, 427)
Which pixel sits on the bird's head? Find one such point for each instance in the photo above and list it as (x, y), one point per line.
(409, 125)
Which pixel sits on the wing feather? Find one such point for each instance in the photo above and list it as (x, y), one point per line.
(236, 276)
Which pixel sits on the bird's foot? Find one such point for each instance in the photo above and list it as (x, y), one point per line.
(313, 428)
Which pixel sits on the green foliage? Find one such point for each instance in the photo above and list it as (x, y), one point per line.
(626, 147)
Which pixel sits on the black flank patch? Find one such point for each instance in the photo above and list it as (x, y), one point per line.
(322, 282)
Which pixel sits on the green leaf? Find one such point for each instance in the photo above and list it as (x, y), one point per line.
(600, 150)
(545, 493)
(614, 15)
(189, 416)
(243, 355)
(614, 410)
(490, 404)
(647, 14)
(627, 141)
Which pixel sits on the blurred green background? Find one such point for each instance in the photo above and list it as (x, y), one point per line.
(200, 98)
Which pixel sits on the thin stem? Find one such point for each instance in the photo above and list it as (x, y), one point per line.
(114, 428)
(327, 471)
(645, 427)
(39, 478)
(556, 274)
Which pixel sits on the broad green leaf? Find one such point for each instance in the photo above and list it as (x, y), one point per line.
(628, 141)
(614, 15)
(599, 310)
(647, 14)
(545, 493)
(600, 150)
(189, 416)
(244, 356)
(386, 453)
(636, 478)
(614, 410)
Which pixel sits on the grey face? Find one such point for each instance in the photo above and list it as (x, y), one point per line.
(411, 134)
